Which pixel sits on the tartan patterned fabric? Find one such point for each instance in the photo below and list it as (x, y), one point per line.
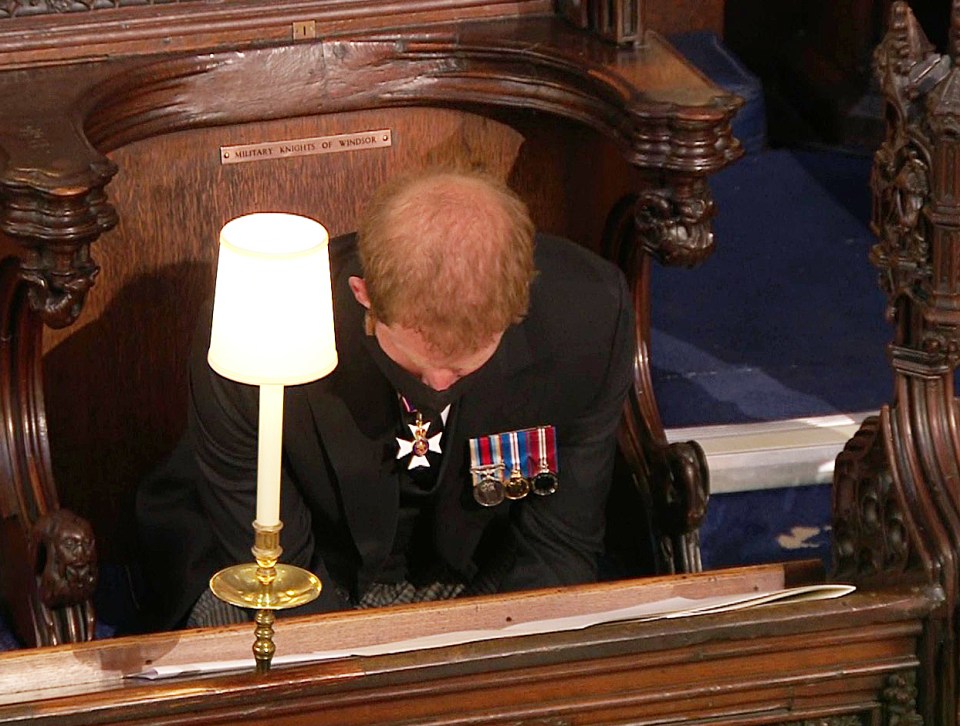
(210, 610)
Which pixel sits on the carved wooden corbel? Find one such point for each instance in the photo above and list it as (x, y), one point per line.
(674, 223)
(58, 267)
(52, 199)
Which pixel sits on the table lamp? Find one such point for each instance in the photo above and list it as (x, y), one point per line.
(272, 327)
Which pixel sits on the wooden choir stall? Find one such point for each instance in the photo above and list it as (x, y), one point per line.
(117, 127)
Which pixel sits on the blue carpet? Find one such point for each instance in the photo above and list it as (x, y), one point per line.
(769, 525)
(785, 320)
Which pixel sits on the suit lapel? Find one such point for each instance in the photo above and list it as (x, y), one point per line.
(353, 410)
(369, 495)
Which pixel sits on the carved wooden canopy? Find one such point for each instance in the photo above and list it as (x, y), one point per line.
(301, 58)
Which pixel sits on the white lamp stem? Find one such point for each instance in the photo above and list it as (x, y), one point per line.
(269, 448)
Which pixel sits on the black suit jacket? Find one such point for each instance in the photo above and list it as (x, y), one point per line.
(568, 363)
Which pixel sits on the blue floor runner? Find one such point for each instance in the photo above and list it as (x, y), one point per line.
(769, 525)
(785, 319)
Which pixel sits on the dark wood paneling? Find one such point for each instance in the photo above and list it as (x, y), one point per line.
(173, 196)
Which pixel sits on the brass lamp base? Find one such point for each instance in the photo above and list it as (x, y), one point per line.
(265, 587)
(292, 586)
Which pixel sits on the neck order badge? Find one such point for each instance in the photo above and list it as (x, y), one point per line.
(421, 442)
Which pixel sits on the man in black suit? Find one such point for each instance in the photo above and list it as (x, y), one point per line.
(463, 445)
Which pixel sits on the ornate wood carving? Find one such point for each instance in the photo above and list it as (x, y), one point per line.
(65, 561)
(828, 721)
(673, 224)
(60, 271)
(48, 571)
(676, 474)
(900, 700)
(52, 198)
(25, 8)
(896, 492)
(871, 521)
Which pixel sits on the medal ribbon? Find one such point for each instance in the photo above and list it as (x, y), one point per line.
(485, 453)
(522, 439)
(510, 444)
(544, 440)
(474, 454)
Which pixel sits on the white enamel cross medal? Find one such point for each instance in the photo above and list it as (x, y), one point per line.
(421, 443)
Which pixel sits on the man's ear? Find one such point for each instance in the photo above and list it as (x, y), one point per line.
(359, 289)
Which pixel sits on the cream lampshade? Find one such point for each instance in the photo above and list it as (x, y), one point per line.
(272, 324)
(273, 310)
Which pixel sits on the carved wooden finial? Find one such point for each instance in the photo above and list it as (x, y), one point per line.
(905, 43)
(906, 63)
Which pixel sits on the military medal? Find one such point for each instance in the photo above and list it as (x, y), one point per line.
(517, 486)
(486, 469)
(544, 480)
(512, 464)
(421, 444)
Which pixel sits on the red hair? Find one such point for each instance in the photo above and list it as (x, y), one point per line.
(449, 254)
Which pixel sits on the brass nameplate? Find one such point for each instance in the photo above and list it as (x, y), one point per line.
(306, 147)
